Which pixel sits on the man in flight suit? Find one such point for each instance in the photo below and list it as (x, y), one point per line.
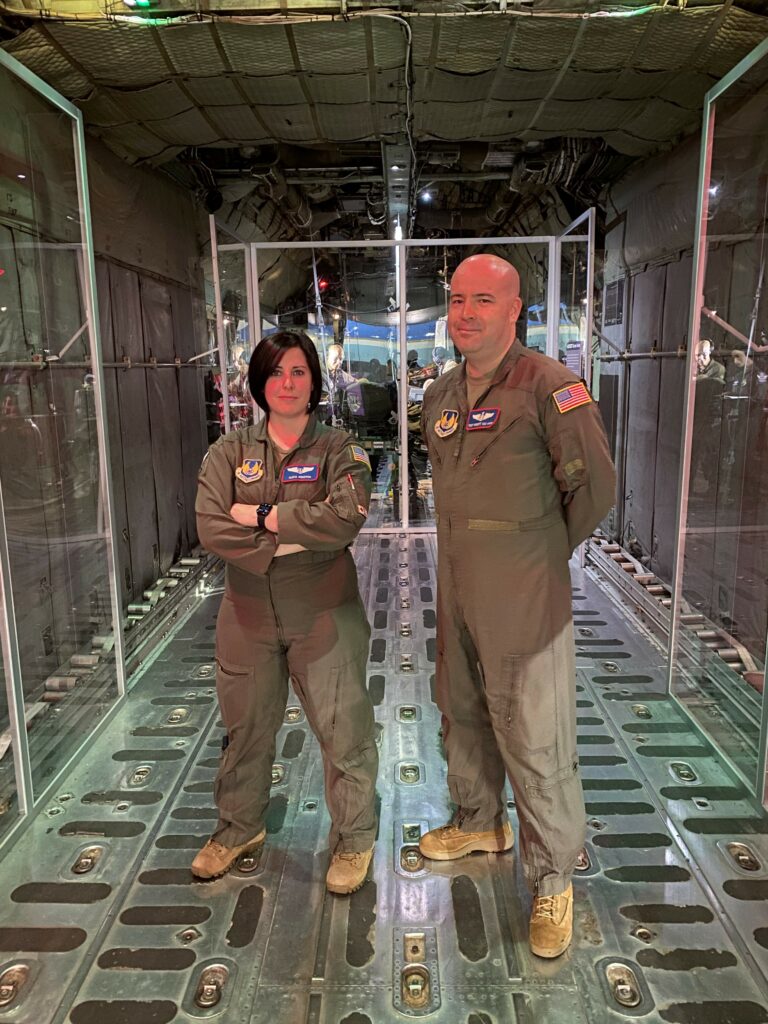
(521, 475)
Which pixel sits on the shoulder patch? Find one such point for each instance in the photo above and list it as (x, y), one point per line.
(359, 454)
(571, 397)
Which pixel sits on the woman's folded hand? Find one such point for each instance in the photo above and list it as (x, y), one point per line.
(244, 514)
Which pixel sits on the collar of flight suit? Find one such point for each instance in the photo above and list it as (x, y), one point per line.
(503, 371)
(312, 431)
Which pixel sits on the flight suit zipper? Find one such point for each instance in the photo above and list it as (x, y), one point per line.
(491, 443)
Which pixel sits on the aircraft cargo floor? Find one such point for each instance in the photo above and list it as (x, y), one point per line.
(103, 923)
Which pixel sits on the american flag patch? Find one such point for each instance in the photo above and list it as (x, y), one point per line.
(571, 397)
(359, 454)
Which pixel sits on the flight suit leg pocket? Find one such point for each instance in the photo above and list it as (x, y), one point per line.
(233, 688)
(525, 706)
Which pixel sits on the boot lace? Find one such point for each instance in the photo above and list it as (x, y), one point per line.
(353, 858)
(454, 825)
(546, 907)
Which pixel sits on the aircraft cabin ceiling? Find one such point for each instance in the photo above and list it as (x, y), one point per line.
(339, 115)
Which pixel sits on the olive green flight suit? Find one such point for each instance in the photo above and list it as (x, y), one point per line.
(298, 615)
(518, 484)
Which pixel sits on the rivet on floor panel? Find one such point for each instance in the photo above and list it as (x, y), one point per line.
(278, 774)
(411, 833)
(610, 666)
(211, 985)
(586, 631)
(189, 935)
(596, 824)
(414, 947)
(410, 773)
(12, 981)
(87, 860)
(249, 862)
(415, 987)
(641, 711)
(583, 863)
(745, 858)
(623, 985)
(642, 933)
(411, 858)
(683, 771)
(139, 775)
(292, 714)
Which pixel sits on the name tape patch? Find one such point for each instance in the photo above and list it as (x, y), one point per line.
(483, 419)
(300, 474)
(250, 471)
(360, 455)
(571, 397)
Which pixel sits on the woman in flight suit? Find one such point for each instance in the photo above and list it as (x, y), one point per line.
(280, 502)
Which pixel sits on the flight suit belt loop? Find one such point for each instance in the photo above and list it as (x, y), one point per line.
(503, 525)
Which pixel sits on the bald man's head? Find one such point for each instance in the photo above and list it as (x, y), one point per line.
(484, 307)
(493, 268)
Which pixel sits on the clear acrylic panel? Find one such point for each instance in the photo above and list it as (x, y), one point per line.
(718, 665)
(572, 326)
(233, 271)
(430, 348)
(346, 300)
(54, 496)
(9, 800)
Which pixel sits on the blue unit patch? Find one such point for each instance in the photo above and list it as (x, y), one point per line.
(250, 471)
(483, 419)
(300, 474)
(360, 455)
(448, 422)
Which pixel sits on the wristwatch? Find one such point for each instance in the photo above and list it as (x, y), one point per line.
(261, 514)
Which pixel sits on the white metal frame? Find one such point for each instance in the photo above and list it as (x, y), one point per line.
(759, 784)
(401, 247)
(13, 681)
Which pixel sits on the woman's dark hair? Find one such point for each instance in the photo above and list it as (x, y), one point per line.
(268, 354)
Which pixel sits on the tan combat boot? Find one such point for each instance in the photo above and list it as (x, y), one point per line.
(215, 858)
(552, 924)
(449, 842)
(347, 871)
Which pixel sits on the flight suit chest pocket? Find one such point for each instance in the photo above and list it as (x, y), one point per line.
(302, 476)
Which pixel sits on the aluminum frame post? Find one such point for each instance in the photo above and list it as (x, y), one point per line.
(9, 640)
(402, 301)
(220, 340)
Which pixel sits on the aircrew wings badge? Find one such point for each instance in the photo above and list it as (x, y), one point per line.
(483, 419)
(571, 397)
(448, 422)
(250, 471)
(359, 454)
